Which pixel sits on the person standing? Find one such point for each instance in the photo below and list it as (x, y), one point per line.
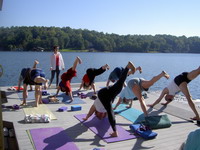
(57, 64)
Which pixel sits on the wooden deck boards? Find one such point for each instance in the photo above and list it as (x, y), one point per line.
(167, 139)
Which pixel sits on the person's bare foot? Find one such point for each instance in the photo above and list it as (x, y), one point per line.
(139, 69)
(36, 62)
(131, 66)
(106, 66)
(165, 75)
(114, 134)
(23, 104)
(79, 59)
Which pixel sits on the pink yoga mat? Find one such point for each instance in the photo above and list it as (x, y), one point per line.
(102, 128)
(51, 138)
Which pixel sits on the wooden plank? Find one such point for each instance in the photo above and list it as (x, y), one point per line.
(169, 138)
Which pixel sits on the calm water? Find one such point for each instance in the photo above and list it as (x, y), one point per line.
(152, 64)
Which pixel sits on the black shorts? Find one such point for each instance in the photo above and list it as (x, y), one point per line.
(181, 78)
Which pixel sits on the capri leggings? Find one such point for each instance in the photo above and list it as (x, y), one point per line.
(107, 96)
(57, 71)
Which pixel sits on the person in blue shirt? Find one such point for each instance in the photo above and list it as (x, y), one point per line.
(117, 72)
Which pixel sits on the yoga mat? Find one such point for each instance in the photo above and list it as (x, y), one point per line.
(41, 109)
(51, 138)
(175, 111)
(130, 114)
(102, 128)
(64, 99)
(31, 95)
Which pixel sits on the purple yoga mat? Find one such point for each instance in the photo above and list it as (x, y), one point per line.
(51, 138)
(102, 128)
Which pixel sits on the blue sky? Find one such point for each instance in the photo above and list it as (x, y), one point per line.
(144, 17)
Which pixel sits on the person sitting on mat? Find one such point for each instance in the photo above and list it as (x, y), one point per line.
(136, 86)
(88, 78)
(65, 84)
(22, 75)
(35, 77)
(106, 96)
(180, 83)
(116, 73)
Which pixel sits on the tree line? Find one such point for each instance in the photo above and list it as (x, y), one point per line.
(34, 38)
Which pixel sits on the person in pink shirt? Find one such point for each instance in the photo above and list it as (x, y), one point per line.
(57, 64)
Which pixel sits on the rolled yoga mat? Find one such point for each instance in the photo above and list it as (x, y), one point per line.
(175, 111)
(103, 129)
(51, 138)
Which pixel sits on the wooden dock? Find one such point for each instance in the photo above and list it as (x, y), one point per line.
(167, 139)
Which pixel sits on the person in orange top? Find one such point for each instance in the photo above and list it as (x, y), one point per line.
(88, 78)
(65, 84)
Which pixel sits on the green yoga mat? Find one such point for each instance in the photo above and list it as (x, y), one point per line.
(130, 114)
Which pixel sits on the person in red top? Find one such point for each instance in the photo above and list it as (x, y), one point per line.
(65, 84)
(88, 78)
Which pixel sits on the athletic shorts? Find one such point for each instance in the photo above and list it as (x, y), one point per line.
(35, 73)
(181, 78)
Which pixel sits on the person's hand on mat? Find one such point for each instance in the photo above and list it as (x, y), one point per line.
(114, 134)
(84, 119)
(128, 106)
(150, 105)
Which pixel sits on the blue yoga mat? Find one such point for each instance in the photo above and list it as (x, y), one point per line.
(31, 95)
(65, 99)
(130, 114)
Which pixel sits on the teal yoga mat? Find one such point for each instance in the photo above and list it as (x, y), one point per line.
(130, 114)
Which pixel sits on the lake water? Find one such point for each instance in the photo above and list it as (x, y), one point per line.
(152, 64)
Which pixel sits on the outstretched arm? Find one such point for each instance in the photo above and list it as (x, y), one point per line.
(164, 92)
(81, 85)
(58, 89)
(93, 87)
(107, 84)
